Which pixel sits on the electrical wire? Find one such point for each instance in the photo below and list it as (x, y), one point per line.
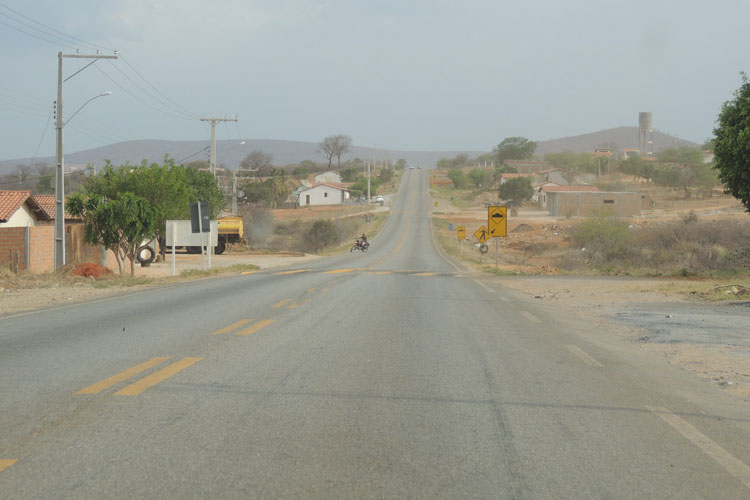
(49, 28)
(36, 36)
(136, 97)
(44, 132)
(180, 112)
(188, 112)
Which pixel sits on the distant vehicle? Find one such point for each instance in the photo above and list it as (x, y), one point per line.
(419, 168)
(411, 167)
(379, 198)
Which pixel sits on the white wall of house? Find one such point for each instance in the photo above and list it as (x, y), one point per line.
(321, 195)
(330, 176)
(22, 218)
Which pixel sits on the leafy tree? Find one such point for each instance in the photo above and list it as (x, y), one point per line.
(257, 192)
(120, 224)
(257, 161)
(334, 146)
(480, 177)
(46, 179)
(687, 165)
(401, 164)
(386, 175)
(515, 148)
(459, 178)
(732, 144)
(205, 187)
(349, 174)
(518, 190)
(300, 172)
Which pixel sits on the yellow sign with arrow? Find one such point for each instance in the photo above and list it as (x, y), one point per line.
(497, 221)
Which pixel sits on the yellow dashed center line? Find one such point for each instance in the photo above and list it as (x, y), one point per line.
(254, 328)
(249, 272)
(5, 463)
(124, 375)
(281, 304)
(294, 271)
(425, 274)
(381, 272)
(141, 385)
(233, 326)
(300, 303)
(339, 271)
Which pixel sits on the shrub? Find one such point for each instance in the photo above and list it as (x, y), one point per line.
(603, 238)
(322, 234)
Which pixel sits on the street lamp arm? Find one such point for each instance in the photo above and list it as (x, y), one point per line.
(84, 104)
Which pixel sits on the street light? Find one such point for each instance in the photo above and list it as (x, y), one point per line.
(60, 165)
(85, 103)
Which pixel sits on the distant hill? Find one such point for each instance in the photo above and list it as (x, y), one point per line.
(228, 153)
(622, 137)
(231, 153)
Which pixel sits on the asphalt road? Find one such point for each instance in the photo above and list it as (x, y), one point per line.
(390, 374)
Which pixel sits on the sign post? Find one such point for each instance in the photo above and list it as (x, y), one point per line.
(461, 234)
(497, 223)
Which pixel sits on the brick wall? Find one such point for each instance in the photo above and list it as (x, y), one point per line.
(586, 204)
(41, 249)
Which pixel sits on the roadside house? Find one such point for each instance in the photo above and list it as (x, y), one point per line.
(21, 209)
(323, 194)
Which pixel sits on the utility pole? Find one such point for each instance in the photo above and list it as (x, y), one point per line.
(60, 161)
(368, 183)
(212, 159)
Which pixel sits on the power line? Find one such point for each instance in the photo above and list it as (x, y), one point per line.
(186, 115)
(49, 28)
(136, 97)
(43, 134)
(36, 36)
(193, 115)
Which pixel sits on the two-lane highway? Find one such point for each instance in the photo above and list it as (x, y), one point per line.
(388, 374)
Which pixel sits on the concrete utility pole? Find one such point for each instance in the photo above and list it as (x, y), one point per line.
(368, 183)
(212, 158)
(60, 168)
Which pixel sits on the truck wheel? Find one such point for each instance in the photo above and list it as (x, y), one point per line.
(146, 255)
(219, 249)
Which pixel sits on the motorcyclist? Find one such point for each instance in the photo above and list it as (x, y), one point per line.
(363, 240)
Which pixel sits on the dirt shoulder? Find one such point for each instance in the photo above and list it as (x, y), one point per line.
(709, 339)
(29, 292)
(700, 325)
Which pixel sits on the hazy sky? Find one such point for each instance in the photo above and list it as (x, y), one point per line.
(405, 74)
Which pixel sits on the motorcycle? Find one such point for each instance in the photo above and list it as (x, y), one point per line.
(360, 245)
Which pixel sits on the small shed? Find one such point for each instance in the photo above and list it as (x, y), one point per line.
(587, 203)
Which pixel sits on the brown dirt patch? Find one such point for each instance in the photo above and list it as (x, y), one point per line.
(90, 270)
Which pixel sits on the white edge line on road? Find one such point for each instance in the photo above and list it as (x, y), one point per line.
(530, 317)
(583, 356)
(484, 286)
(732, 464)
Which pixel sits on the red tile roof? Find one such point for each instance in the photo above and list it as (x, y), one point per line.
(10, 202)
(47, 203)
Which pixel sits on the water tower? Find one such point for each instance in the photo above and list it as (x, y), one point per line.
(646, 133)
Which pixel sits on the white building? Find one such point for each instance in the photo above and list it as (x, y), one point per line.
(323, 194)
(21, 209)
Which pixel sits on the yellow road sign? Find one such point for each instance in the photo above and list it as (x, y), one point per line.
(482, 234)
(461, 232)
(497, 221)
